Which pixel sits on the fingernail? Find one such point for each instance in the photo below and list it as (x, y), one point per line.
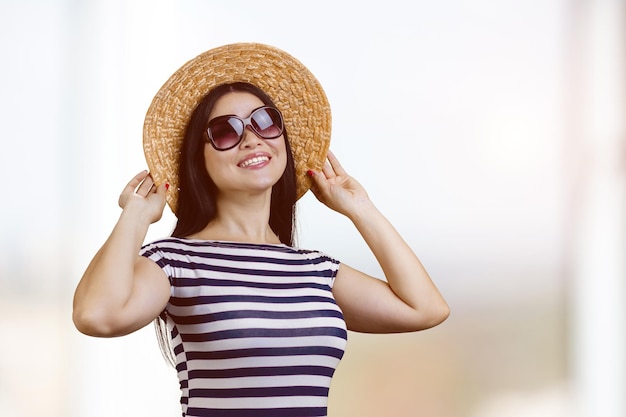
(310, 173)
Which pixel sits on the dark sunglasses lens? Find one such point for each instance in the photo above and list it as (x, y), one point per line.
(267, 122)
(225, 132)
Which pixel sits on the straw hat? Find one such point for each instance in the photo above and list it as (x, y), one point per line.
(294, 89)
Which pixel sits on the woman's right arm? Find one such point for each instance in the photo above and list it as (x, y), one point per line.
(121, 291)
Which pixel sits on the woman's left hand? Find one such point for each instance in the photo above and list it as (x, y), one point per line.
(407, 300)
(338, 190)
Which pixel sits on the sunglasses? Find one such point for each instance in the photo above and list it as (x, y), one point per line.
(226, 132)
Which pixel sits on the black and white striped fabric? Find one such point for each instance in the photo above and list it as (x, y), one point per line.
(255, 328)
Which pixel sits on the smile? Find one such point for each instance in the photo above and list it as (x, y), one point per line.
(254, 161)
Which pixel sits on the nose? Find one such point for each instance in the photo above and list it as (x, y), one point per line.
(250, 138)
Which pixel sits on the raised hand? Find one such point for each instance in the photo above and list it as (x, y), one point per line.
(121, 291)
(338, 190)
(406, 300)
(141, 194)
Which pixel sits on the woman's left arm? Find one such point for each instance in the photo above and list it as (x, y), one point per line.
(408, 300)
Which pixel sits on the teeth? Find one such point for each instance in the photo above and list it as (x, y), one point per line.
(255, 160)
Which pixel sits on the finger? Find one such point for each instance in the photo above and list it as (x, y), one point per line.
(161, 190)
(131, 187)
(328, 170)
(137, 179)
(145, 187)
(334, 162)
(319, 183)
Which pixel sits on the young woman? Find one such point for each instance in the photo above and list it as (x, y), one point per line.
(254, 325)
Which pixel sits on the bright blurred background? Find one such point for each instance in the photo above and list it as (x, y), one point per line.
(491, 133)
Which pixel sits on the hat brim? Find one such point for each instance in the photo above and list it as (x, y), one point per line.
(294, 89)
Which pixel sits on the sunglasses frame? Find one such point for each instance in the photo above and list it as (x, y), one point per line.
(246, 121)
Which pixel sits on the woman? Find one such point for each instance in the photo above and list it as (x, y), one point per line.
(255, 326)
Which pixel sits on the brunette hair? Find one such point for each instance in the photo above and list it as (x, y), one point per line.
(196, 196)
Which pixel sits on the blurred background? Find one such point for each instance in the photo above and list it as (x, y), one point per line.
(491, 133)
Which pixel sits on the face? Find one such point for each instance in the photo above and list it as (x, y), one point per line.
(255, 164)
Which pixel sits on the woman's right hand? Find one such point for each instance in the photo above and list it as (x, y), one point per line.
(142, 195)
(122, 291)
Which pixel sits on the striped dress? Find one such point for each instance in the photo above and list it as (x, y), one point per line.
(255, 328)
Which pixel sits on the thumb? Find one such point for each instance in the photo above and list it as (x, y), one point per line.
(319, 184)
(162, 189)
(315, 177)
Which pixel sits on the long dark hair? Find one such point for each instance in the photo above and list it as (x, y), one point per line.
(197, 191)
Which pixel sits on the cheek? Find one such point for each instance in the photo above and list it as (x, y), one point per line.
(210, 161)
(282, 151)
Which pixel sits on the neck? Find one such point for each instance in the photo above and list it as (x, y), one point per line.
(241, 220)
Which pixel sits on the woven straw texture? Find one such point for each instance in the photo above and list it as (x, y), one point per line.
(294, 89)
